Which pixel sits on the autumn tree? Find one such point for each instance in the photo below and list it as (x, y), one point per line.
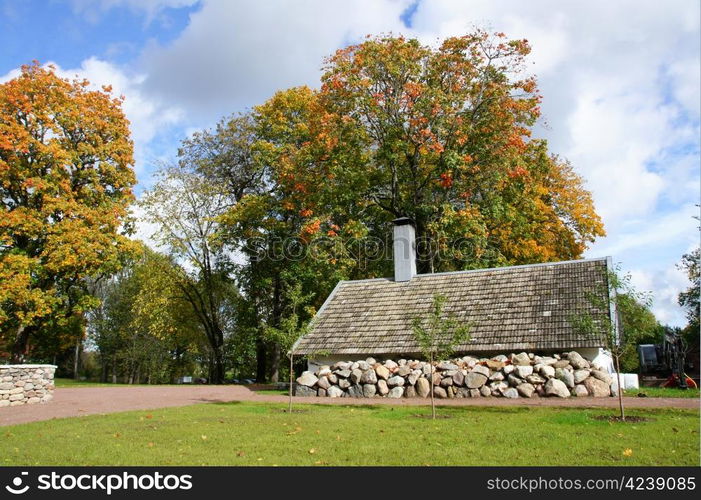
(276, 224)
(689, 298)
(444, 136)
(66, 180)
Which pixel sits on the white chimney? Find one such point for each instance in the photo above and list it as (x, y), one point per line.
(404, 248)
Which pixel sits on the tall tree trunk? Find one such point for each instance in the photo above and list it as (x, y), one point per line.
(261, 361)
(217, 367)
(76, 358)
(275, 363)
(114, 369)
(19, 347)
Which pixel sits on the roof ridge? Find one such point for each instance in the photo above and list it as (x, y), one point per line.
(468, 271)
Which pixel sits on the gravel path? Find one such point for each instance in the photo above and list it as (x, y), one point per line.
(79, 401)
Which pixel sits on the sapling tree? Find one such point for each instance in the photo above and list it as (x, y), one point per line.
(290, 330)
(437, 335)
(608, 327)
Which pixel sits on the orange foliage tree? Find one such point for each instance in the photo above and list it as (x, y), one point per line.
(444, 136)
(66, 181)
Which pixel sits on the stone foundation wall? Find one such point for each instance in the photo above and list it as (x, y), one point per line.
(523, 375)
(26, 384)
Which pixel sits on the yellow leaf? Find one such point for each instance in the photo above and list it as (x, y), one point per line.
(627, 452)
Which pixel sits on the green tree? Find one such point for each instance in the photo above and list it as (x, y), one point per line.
(66, 181)
(437, 335)
(619, 295)
(144, 328)
(290, 329)
(639, 325)
(689, 299)
(186, 206)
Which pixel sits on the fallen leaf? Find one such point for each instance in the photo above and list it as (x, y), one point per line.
(117, 434)
(149, 416)
(312, 451)
(240, 454)
(204, 438)
(627, 452)
(150, 445)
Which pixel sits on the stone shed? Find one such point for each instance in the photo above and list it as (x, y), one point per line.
(529, 308)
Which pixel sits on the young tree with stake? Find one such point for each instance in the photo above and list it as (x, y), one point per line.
(438, 335)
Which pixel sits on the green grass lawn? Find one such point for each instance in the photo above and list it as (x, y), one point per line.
(263, 434)
(663, 392)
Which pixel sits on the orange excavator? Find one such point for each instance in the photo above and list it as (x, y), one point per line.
(669, 357)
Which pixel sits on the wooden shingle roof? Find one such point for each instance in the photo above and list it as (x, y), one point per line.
(511, 308)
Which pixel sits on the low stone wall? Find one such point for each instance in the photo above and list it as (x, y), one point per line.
(523, 375)
(26, 384)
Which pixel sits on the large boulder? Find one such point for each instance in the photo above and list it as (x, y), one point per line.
(369, 390)
(439, 392)
(481, 369)
(323, 383)
(580, 376)
(577, 361)
(485, 391)
(355, 391)
(446, 365)
(396, 392)
(363, 365)
(334, 392)
(561, 363)
(496, 377)
(368, 377)
(413, 377)
(343, 373)
(510, 393)
(514, 380)
(603, 376)
(307, 379)
(535, 379)
(395, 381)
(382, 387)
(304, 391)
(522, 371)
(580, 391)
(390, 365)
(409, 391)
(475, 380)
(520, 359)
(447, 382)
(382, 372)
(565, 376)
(344, 383)
(597, 388)
(547, 371)
(494, 365)
(355, 376)
(423, 388)
(458, 378)
(526, 390)
(404, 370)
(555, 387)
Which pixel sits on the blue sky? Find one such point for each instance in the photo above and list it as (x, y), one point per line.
(620, 82)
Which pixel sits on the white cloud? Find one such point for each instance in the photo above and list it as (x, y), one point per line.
(94, 10)
(234, 55)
